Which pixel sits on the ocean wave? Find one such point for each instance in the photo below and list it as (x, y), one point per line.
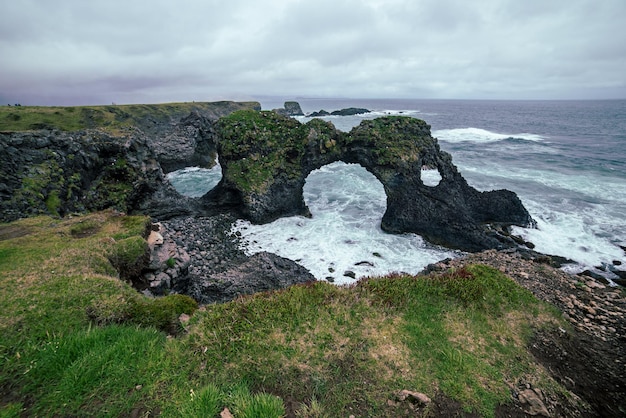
(481, 135)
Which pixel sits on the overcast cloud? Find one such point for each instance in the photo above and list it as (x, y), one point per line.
(132, 51)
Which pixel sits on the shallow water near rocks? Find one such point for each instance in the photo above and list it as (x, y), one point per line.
(565, 159)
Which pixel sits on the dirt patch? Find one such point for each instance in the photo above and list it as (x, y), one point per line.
(587, 366)
(13, 231)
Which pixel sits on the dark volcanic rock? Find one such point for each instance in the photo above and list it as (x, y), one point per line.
(61, 172)
(266, 158)
(350, 111)
(261, 272)
(58, 172)
(319, 113)
(290, 109)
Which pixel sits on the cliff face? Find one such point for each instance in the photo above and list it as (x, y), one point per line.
(266, 158)
(62, 172)
(93, 158)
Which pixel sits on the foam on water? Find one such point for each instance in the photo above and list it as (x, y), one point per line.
(480, 135)
(195, 181)
(344, 233)
(572, 233)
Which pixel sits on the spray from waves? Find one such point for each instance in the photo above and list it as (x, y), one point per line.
(577, 234)
(480, 135)
(344, 233)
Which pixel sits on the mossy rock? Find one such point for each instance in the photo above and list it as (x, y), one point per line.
(161, 313)
(129, 257)
(258, 147)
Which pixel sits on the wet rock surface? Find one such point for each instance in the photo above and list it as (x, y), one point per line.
(199, 256)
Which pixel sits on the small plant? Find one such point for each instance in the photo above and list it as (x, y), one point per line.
(245, 405)
(206, 402)
(170, 263)
(314, 410)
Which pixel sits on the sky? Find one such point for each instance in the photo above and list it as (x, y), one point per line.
(77, 52)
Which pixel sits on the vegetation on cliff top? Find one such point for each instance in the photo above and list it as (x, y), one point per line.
(74, 339)
(260, 146)
(111, 118)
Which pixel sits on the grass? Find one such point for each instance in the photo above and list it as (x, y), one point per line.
(112, 118)
(77, 340)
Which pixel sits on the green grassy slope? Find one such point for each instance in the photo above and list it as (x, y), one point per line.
(75, 340)
(111, 118)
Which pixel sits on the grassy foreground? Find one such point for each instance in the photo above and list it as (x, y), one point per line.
(77, 341)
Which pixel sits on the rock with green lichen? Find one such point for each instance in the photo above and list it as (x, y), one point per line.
(266, 158)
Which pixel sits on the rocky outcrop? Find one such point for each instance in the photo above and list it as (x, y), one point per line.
(350, 111)
(62, 172)
(51, 171)
(290, 109)
(266, 158)
(186, 138)
(199, 257)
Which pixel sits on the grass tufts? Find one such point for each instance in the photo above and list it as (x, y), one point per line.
(76, 340)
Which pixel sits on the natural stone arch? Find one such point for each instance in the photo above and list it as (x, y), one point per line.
(266, 158)
(323, 182)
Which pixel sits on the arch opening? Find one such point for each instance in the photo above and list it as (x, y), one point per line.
(348, 192)
(195, 181)
(430, 176)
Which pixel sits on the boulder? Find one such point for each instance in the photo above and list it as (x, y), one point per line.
(261, 272)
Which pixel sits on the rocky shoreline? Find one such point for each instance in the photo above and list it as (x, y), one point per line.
(588, 359)
(199, 256)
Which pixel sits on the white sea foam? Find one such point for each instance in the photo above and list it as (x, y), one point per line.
(480, 135)
(574, 234)
(344, 233)
(195, 181)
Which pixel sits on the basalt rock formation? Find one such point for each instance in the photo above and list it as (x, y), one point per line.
(266, 158)
(117, 157)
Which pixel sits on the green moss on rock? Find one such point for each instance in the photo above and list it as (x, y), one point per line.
(260, 146)
(393, 140)
(129, 257)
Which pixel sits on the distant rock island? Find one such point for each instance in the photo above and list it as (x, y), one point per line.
(350, 111)
(291, 108)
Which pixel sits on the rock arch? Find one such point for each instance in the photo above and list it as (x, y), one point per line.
(266, 158)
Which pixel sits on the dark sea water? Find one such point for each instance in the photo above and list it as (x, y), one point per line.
(565, 159)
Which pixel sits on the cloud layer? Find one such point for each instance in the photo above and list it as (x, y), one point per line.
(78, 52)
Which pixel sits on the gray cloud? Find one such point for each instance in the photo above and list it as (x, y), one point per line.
(77, 52)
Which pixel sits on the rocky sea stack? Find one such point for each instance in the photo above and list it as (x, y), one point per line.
(266, 158)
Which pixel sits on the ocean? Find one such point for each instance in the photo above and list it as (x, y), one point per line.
(566, 160)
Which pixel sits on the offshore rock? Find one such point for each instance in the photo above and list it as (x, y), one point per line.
(266, 158)
(290, 109)
(350, 111)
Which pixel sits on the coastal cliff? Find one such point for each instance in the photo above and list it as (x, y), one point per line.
(117, 156)
(63, 160)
